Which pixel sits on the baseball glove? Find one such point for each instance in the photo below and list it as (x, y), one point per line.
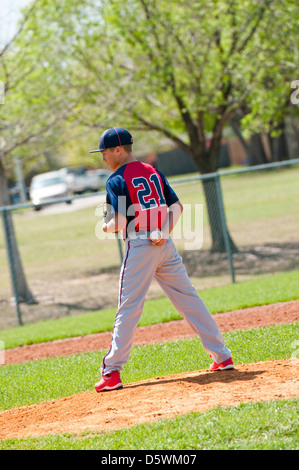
(106, 206)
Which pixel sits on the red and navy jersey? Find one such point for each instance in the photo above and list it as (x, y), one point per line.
(142, 194)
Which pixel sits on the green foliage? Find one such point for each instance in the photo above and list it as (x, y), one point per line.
(194, 62)
(176, 68)
(180, 68)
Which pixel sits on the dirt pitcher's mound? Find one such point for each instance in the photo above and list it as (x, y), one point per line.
(266, 315)
(154, 399)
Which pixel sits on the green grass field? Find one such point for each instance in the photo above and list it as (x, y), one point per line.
(43, 380)
(48, 379)
(67, 245)
(64, 239)
(254, 204)
(253, 426)
(268, 289)
(267, 425)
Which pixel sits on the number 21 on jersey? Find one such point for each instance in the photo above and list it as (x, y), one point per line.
(149, 199)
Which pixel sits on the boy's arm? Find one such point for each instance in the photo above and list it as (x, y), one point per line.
(117, 223)
(172, 218)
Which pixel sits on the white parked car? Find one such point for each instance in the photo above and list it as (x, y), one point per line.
(103, 175)
(81, 179)
(48, 186)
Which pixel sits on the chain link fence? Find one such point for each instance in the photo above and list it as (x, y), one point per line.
(236, 225)
(260, 208)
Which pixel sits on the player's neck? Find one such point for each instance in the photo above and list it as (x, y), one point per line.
(128, 159)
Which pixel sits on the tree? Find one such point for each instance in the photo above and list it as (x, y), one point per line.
(183, 69)
(33, 112)
(23, 290)
(269, 105)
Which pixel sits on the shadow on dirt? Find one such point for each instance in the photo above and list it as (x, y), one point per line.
(228, 376)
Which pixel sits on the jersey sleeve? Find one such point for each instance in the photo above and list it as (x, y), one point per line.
(169, 193)
(116, 195)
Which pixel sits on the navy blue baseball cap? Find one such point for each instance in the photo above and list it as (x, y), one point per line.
(114, 137)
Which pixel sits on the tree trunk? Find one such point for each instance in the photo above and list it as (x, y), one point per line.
(214, 213)
(279, 145)
(254, 149)
(235, 125)
(207, 165)
(257, 151)
(24, 294)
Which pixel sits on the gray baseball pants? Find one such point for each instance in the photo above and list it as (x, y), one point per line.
(143, 262)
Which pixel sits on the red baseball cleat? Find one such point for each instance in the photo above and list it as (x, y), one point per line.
(225, 365)
(108, 382)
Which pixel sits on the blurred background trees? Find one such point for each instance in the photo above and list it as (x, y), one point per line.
(180, 72)
(185, 70)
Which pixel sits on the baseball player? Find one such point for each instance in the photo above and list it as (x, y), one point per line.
(146, 209)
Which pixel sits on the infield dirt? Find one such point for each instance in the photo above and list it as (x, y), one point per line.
(160, 397)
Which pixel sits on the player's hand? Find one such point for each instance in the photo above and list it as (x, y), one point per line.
(104, 227)
(157, 238)
(160, 242)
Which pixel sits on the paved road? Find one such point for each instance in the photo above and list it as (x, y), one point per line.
(78, 203)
